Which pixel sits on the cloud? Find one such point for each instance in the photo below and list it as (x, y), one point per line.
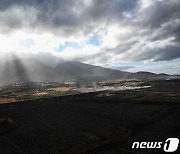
(102, 31)
(65, 17)
(46, 58)
(172, 67)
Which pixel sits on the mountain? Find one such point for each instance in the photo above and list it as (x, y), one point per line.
(74, 70)
(24, 70)
(147, 76)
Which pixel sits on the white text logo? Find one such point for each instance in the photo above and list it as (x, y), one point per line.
(170, 145)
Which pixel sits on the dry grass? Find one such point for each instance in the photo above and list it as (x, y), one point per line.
(60, 89)
(40, 93)
(121, 83)
(133, 83)
(69, 83)
(7, 100)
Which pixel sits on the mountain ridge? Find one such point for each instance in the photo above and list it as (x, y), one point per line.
(19, 70)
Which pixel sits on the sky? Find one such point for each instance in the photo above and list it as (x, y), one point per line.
(128, 35)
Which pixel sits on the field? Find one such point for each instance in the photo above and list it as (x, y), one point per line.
(104, 121)
(22, 91)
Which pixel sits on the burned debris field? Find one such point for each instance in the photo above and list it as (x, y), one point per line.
(104, 121)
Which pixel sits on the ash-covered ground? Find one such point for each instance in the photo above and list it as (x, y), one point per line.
(105, 121)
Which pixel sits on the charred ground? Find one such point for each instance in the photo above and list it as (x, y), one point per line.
(96, 122)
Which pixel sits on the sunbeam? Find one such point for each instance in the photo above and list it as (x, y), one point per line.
(13, 69)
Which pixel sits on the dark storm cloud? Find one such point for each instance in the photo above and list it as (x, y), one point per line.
(161, 12)
(5, 4)
(169, 52)
(171, 29)
(48, 14)
(163, 17)
(108, 9)
(67, 15)
(160, 21)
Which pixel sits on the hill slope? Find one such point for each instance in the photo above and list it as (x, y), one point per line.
(80, 71)
(25, 70)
